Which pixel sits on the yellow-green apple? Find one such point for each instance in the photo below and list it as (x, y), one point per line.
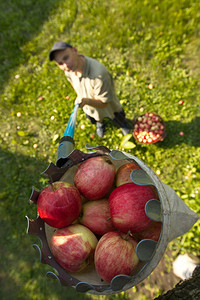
(59, 204)
(115, 254)
(152, 232)
(96, 216)
(73, 247)
(94, 177)
(127, 207)
(124, 172)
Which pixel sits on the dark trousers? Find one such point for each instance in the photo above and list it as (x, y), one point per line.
(119, 119)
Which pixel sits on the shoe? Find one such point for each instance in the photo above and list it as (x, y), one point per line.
(100, 129)
(125, 128)
(184, 266)
(125, 131)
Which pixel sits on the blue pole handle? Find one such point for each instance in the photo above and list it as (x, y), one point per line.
(66, 145)
(69, 131)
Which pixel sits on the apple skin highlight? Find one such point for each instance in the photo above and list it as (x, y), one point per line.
(73, 247)
(59, 204)
(115, 254)
(94, 177)
(127, 207)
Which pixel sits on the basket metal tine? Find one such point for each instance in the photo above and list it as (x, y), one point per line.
(140, 177)
(83, 287)
(153, 210)
(118, 155)
(119, 281)
(145, 249)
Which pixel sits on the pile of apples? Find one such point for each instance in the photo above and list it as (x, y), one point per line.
(99, 219)
(149, 128)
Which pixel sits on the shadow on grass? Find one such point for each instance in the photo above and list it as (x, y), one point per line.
(190, 131)
(22, 276)
(20, 22)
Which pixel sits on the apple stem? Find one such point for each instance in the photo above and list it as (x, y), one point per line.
(108, 219)
(127, 235)
(52, 186)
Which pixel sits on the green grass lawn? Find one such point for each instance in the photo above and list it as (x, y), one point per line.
(141, 42)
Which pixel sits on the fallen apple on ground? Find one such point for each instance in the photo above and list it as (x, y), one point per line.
(94, 177)
(149, 128)
(73, 247)
(127, 207)
(124, 172)
(59, 204)
(96, 216)
(115, 254)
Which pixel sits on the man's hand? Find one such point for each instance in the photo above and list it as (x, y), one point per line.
(92, 102)
(78, 100)
(81, 101)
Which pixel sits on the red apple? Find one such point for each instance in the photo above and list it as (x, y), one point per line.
(152, 232)
(115, 254)
(73, 247)
(94, 177)
(124, 172)
(96, 216)
(127, 207)
(92, 136)
(59, 204)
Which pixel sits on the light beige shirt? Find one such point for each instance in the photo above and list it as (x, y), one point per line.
(97, 83)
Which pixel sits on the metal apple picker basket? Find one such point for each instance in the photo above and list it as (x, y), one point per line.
(176, 217)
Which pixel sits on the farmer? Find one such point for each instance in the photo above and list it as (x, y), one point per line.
(93, 85)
